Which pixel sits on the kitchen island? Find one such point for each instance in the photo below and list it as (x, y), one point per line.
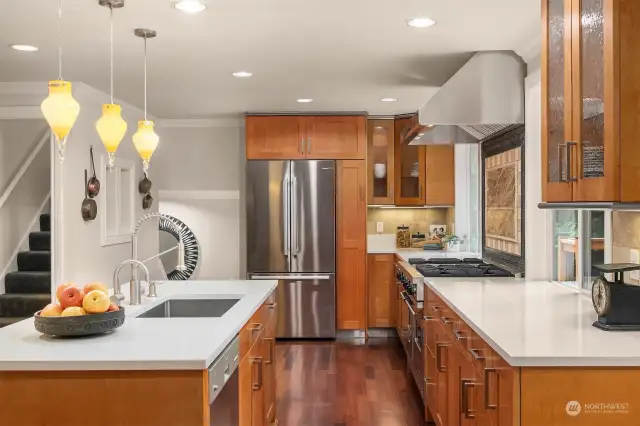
(151, 371)
(506, 351)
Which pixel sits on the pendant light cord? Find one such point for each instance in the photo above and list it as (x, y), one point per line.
(59, 39)
(111, 47)
(145, 78)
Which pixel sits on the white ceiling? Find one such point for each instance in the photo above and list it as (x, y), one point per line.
(345, 54)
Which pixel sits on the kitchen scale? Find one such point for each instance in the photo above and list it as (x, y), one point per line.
(616, 303)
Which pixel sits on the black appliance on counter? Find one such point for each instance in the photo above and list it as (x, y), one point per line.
(616, 303)
(454, 267)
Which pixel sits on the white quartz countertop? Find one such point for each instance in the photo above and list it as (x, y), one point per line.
(141, 343)
(536, 323)
(386, 244)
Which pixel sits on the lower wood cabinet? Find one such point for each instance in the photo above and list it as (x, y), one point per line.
(351, 245)
(256, 376)
(382, 299)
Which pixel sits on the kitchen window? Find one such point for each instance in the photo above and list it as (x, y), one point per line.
(581, 239)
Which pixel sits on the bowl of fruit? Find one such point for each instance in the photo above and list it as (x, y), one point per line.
(79, 312)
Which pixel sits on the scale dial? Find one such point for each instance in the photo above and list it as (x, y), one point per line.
(601, 296)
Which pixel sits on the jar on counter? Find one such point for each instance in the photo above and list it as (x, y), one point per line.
(403, 237)
(418, 240)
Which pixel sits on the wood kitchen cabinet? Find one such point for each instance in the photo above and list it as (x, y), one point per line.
(381, 294)
(270, 371)
(380, 161)
(590, 128)
(351, 224)
(305, 137)
(440, 180)
(410, 166)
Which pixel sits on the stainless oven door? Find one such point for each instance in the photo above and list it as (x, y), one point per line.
(223, 387)
(417, 362)
(407, 326)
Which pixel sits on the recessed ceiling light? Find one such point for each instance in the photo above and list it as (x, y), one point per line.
(388, 99)
(190, 6)
(242, 74)
(24, 48)
(304, 100)
(420, 22)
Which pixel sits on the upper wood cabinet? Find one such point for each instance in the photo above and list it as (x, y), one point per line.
(305, 137)
(440, 188)
(590, 129)
(351, 245)
(410, 168)
(380, 161)
(381, 291)
(274, 138)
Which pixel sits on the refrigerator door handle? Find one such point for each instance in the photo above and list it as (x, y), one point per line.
(290, 277)
(286, 215)
(294, 217)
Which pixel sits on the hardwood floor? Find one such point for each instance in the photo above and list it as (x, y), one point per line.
(345, 384)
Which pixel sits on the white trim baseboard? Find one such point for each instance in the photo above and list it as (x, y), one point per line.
(164, 194)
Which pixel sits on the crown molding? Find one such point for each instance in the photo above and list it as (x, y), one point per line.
(200, 123)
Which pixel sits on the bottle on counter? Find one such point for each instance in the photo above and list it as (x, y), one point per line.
(403, 237)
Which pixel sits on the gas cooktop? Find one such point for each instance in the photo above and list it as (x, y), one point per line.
(450, 267)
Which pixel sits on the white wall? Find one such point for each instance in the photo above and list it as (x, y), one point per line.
(78, 253)
(202, 184)
(22, 200)
(537, 222)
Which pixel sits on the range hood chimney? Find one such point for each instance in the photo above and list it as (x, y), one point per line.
(485, 97)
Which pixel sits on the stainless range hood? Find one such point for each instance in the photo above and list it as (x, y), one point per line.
(485, 97)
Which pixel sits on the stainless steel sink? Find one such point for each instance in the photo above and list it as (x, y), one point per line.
(190, 308)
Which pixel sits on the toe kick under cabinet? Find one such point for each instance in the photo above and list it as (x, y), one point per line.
(467, 383)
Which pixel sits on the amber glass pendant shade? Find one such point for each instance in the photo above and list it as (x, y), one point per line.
(111, 128)
(61, 112)
(146, 141)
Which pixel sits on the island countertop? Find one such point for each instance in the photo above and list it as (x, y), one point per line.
(141, 343)
(536, 323)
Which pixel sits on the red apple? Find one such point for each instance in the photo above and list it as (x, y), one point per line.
(71, 296)
(96, 302)
(73, 311)
(61, 288)
(95, 286)
(113, 307)
(51, 310)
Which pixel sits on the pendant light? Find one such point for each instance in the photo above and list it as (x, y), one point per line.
(111, 127)
(145, 140)
(59, 108)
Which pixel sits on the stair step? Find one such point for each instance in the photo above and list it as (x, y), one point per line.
(5, 321)
(34, 261)
(22, 305)
(45, 222)
(40, 241)
(28, 282)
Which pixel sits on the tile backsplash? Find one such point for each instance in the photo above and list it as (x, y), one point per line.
(418, 220)
(626, 237)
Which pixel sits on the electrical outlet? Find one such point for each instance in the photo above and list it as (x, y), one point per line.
(635, 258)
(379, 227)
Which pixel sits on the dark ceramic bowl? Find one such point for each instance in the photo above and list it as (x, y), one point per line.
(84, 325)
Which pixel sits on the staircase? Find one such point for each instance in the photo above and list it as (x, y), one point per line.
(29, 289)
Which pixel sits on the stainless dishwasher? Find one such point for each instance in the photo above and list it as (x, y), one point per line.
(223, 387)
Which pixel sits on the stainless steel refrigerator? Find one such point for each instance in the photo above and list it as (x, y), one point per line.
(291, 236)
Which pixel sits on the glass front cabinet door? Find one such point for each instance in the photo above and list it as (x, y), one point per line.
(590, 92)
(380, 152)
(410, 167)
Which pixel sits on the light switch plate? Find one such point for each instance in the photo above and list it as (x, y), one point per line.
(634, 257)
(379, 227)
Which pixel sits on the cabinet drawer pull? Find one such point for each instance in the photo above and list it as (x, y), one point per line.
(272, 351)
(258, 384)
(436, 308)
(428, 318)
(441, 368)
(570, 177)
(464, 397)
(271, 306)
(255, 328)
(487, 403)
(309, 145)
(446, 320)
(302, 146)
(459, 335)
(476, 355)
